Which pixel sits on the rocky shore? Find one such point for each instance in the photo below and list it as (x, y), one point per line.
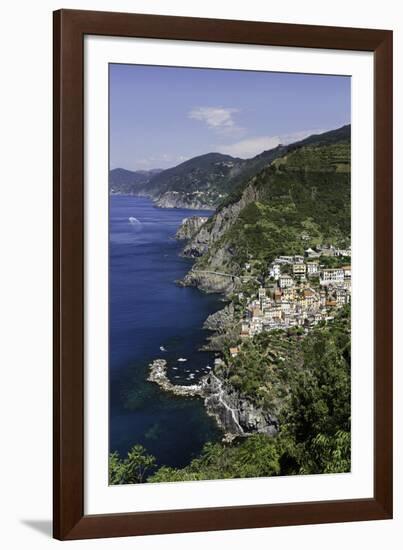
(158, 374)
(224, 326)
(209, 282)
(235, 415)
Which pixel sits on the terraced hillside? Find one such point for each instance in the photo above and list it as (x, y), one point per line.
(300, 200)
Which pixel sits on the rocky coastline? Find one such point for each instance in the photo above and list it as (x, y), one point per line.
(189, 227)
(234, 414)
(158, 375)
(174, 199)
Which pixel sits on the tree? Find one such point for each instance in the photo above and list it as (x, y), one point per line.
(116, 469)
(133, 469)
(137, 464)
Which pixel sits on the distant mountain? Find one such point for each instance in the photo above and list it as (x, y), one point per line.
(211, 180)
(127, 182)
(201, 182)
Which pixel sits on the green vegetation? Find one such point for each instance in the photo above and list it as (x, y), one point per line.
(302, 200)
(133, 469)
(258, 163)
(212, 179)
(306, 380)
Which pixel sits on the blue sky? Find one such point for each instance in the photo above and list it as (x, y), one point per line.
(161, 116)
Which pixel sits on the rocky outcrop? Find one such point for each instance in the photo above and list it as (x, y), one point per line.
(220, 223)
(219, 254)
(190, 226)
(236, 415)
(158, 374)
(221, 320)
(209, 282)
(174, 199)
(225, 328)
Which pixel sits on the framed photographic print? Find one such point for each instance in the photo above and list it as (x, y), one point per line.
(222, 274)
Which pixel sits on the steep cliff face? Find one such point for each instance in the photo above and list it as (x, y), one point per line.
(192, 201)
(214, 271)
(221, 320)
(217, 226)
(190, 226)
(302, 199)
(235, 414)
(225, 328)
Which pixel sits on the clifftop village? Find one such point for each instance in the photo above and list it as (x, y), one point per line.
(299, 292)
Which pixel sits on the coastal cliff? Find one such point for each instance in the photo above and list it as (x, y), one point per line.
(225, 326)
(235, 415)
(189, 227)
(175, 199)
(287, 208)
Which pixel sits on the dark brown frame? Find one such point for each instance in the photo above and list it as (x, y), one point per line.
(70, 27)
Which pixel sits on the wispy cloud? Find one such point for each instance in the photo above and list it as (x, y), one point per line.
(250, 147)
(219, 119)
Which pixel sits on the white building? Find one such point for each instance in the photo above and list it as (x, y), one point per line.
(343, 252)
(299, 269)
(342, 297)
(275, 271)
(347, 271)
(285, 280)
(285, 259)
(312, 267)
(331, 276)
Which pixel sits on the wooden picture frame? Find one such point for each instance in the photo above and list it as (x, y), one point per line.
(70, 27)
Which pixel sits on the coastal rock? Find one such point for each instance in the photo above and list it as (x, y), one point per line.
(221, 320)
(209, 282)
(221, 221)
(190, 226)
(158, 375)
(220, 254)
(174, 199)
(225, 328)
(235, 414)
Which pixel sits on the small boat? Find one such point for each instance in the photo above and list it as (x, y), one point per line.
(162, 348)
(182, 359)
(174, 368)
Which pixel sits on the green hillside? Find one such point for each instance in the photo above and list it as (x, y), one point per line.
(302, 199)
(212, 180)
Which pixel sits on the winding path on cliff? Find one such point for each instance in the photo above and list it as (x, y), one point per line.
(231, 275)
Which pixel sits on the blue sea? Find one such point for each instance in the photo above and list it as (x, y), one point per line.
(148, 310)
